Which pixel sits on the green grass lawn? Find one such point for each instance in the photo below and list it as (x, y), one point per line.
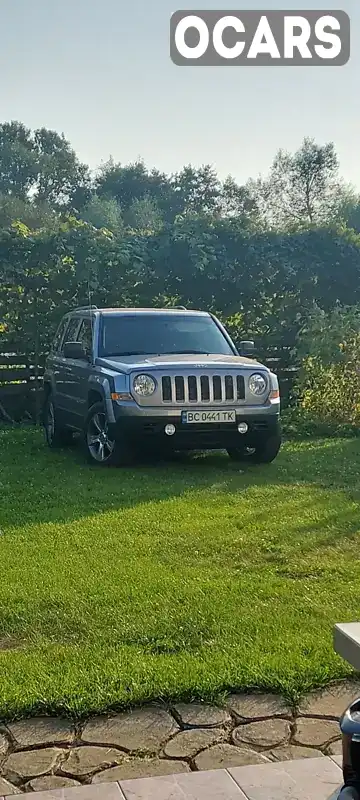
(179, 580)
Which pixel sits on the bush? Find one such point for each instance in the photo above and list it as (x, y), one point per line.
(328, 392)
(299, 423)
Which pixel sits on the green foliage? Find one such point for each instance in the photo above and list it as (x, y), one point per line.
(103, 212)
(144, 216)
(305, 423)
(41, 165)
(303, 188)
(261, 284)
(325, 334)
(33, 213)
(329, 385)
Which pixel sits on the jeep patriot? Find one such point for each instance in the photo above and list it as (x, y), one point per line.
(131, 380)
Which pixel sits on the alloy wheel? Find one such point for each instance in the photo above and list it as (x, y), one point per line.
(100, 446)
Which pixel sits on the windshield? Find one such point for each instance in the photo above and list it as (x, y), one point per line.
(163, 334)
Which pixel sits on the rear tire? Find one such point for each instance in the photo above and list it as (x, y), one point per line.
(101, 449)
(56, 435)
(264, 453)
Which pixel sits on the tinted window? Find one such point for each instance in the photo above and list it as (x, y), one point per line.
(55, 347)
(71, 331)
(85, 336)
(165, 334)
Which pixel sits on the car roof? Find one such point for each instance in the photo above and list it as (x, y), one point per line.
(150, 311)
(132, 311)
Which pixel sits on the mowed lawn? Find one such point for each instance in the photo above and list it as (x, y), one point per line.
(178, 580)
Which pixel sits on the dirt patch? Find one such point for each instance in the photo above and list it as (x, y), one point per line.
(8, 643)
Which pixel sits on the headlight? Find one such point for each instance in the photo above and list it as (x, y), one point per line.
(144, 385)
(258, 384)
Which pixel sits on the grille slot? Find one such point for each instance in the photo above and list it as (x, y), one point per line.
(229, 387)
(217, 387)
(205, 388)
(240, 386)
(166, 389)
(190, 389)
(179, 389)
(193, 392)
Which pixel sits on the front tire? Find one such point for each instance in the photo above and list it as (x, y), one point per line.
(100, 446)
(56, 435)
(264, 453)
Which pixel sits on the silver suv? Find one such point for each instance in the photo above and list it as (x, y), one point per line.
(135, 380)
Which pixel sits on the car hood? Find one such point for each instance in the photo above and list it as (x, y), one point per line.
(130, 363)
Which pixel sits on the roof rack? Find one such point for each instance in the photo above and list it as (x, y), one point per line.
(179, 308)
(86, 308)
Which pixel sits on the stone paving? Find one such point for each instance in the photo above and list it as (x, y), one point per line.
(48, 753)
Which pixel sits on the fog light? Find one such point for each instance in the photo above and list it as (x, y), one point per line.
(243, 427)
(170, 430)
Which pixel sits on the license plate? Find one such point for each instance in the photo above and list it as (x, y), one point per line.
(207, 417)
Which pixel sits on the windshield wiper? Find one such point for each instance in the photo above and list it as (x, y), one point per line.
(188, 353)
(146, 353)
(128, 353)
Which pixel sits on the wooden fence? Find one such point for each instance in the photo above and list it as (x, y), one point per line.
(21, 381)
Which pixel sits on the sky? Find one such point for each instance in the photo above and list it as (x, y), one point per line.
(100, 72)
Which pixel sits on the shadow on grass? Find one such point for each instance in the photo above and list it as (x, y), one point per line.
(38, 485)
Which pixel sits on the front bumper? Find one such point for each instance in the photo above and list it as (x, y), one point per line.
(149, 430)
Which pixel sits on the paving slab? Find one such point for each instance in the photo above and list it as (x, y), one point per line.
(263, 734)
(4, 744)
(196, 786)
(331, 702)
(50, 782)
(198, 715)
(338, 760)
(222, 756)
(86, 760)
(141, 768)
(6, 788)
(335, 748)
(290, 781)
(41, 731)
(258, 706)
(188, 743)
(144, 730)
(293, 752)
(31, 763)
(110, 791)
(316, 732)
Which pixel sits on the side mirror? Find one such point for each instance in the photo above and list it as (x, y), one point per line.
(246, 348)
(74, 350)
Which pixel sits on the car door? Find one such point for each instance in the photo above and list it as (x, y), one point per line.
(78, 388)
(66, 373)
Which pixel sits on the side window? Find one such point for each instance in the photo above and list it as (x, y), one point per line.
(85, 336)
(57, 342)
(71, 330)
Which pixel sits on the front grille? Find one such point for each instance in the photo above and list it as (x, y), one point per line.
(202, 388)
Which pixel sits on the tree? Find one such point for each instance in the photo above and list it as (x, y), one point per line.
(18, 160)
(198, 190)
(103, 212)
(351, 213)
(60, 173)
(144, 215)
(40, 165)
(302, 188)
(31, 213)
(236, 201)
(132, 182)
